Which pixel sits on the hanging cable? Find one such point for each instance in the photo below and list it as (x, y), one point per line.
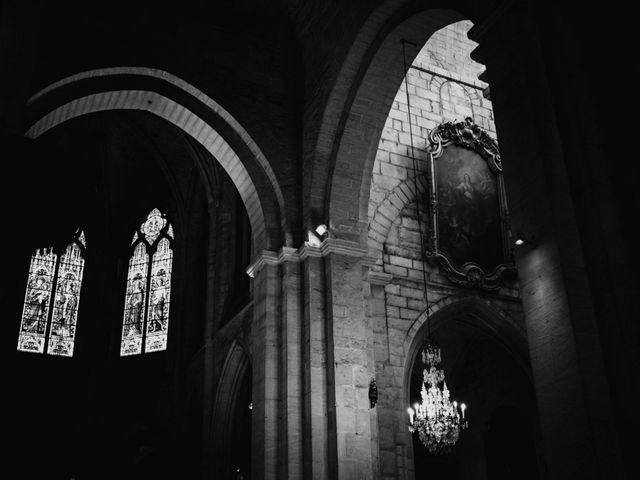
(415, 184)
(437, 420)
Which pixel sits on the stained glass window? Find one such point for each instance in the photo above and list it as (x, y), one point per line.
(49, 274)
(134, 302)
(146, 316)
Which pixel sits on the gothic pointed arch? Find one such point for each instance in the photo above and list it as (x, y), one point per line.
(232, 403)
(485, 359)
(145, 323)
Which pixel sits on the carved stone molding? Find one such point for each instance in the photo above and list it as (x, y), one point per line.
(288, 254)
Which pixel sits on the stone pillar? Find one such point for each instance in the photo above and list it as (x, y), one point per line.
(313, 362)
(266, 355)
(280, 368)
(390, 376)
(292, 365)
(316, 465)
(350, 365)
(566, 357)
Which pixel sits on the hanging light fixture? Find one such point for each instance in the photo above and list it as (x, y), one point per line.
(437, 420)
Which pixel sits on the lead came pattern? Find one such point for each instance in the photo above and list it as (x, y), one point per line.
(160, 293)
(146, 317)
(67, 300)
(36, 302)
(134, 309)
(153, 225)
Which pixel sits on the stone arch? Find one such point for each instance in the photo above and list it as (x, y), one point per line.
(362, 102)
(436, 82)
(393, 204)
(236, 367)
(190, 110)
(488, 318)
(460, 324)
(452, 114)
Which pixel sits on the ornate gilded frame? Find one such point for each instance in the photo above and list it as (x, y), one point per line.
(468, 135)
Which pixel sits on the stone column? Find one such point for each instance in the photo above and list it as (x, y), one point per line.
(292, 364)
(350, 365)
(279, 365)
(313, 362)
(316, 465)
(389, 457)
(267, 373)
(579, 439)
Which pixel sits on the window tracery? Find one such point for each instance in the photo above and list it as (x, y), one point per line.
(147, 299)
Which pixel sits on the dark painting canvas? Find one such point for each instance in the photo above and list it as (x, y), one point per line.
(468, 209)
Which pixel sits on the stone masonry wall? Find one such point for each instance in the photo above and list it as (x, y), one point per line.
(443, 86)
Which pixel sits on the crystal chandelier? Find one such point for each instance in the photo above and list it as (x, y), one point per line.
(437, 419)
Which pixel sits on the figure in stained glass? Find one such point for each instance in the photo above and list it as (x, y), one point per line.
(67, 300)
(135, 306)
(46, 275)
(37, 304)
(146, 317)
(66, 306)
(158, 317)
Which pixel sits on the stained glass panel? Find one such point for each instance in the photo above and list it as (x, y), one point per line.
(134, 306)
(36, 302)
(159, 295)
(67, 299)
(152, 225)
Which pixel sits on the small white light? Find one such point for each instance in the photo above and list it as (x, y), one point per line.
(251, 406)
(321, 229)
(519, 242)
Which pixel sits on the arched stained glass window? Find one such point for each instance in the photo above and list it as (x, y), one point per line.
(47, 317)
(146, 307)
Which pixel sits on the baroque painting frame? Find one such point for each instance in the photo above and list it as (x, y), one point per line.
(476, 253)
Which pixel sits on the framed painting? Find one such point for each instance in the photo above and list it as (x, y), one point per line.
(469, 217)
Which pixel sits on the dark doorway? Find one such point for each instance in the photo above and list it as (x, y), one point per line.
(241, 430)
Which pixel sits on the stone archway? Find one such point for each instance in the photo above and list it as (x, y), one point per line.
(361, 100)
(484, 357)
(179, 109)
(231, 419)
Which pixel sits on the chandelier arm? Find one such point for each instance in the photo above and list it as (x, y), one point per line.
(415, 184)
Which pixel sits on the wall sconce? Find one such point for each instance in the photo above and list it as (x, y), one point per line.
(522, 240)
(316, 236)
(373, 393)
